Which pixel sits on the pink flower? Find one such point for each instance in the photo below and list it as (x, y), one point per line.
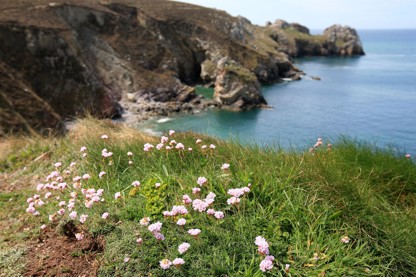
(39, 187)
(31, 209)
(267, 263)
(76, 178)
(168, 147)
(30, 199)
(79, 236)
(198, 141)
(164, 139)
(104, 215)
(165, 264)
(73, 215)
(58, 164)
(135, 184)
(210, 211)
(183, 247)
(233, 200)
(129, 153)
(83, 218)
(155, 227)
(178, 262)
(194, 232)
(104, 137)
(212, 146)
(157, 185)
(189, 149)
(48, 194)
(159, 236)
(102, 173)
(62, 203)
(236, 192)
(204, 147)
(196, 190)
(219, 215)
(106, 154)
(408, 156)
(263, 246)
(83, 149)
(201, 181)
(144, 221)
(180, 146)
(126, 259)
(172, 142)
(147, 147)
(86, 176)
(181, 221)
(186, 199)
(159, 146)
(171, 132)
(72, 164)
(139, 240)
(199, 205)
(117, 195)
(43, 227)
(225, 166)
(84, 155)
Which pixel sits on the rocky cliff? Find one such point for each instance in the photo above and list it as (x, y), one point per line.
(63, 59)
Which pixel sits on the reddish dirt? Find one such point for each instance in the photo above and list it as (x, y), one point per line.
(58, 255)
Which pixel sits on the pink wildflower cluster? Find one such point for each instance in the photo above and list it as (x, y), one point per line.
(105, 153)
(155, 229)
(194, 232)
(201, 205)
(57, 187)
(186, 199)
(236, 194)
(263, 248)
(201, 181)
(267, 263)
(176, 210)
(183, 247)
(166, 144)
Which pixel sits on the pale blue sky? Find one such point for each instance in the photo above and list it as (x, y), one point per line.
(319, 14)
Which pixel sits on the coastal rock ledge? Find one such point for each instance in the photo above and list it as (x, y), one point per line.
(64, 59)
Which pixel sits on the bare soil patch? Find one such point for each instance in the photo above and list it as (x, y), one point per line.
(63, 255)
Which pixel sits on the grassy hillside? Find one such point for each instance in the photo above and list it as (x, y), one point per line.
(347, 210)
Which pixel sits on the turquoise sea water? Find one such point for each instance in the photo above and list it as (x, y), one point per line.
(368, 98)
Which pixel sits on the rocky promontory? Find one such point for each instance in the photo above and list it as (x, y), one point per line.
(63, 59)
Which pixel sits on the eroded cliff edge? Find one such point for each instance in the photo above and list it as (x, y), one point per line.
(62, 59)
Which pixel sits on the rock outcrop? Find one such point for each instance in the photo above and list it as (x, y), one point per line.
(63, 59)
(296, 40)
(236, 88)
(343, 41)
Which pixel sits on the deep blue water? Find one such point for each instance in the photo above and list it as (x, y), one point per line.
(369, 98)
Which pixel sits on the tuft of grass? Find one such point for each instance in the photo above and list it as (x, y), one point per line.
(302, 203)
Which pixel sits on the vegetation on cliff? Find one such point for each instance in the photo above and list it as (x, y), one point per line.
(346, 209)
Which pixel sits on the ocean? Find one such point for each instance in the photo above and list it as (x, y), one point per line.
(370, 98)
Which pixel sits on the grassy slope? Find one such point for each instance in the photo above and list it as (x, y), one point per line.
(301, 203)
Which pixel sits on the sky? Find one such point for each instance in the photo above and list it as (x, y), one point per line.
(319, 14)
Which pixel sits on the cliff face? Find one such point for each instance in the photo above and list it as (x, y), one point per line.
(63, 59)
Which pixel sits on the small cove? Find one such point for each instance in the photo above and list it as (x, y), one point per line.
(369, 98)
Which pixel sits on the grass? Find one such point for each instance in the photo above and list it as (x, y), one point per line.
(302, 203)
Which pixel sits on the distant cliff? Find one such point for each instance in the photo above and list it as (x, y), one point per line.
(62, 59)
